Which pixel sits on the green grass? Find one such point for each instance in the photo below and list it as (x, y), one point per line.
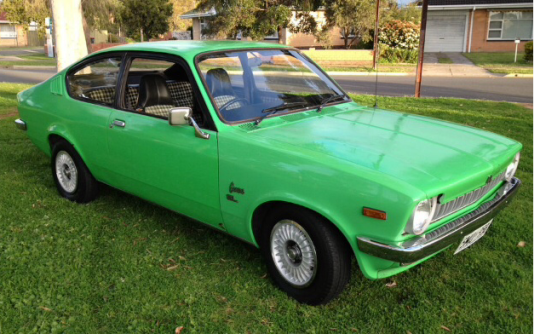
(443, 60)
(386, 68)
(122, 265)
(13, 48)
(501, 62)
(37, 59)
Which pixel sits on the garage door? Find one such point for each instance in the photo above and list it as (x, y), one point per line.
(445, 31)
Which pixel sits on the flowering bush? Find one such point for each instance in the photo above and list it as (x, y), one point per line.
(399, 42)
(400, 34)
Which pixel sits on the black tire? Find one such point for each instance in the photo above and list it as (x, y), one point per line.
(333, 255)
(86, 187)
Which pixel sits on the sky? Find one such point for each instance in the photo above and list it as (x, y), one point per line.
(404, 2)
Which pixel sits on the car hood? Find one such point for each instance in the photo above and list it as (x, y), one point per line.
(434, 156)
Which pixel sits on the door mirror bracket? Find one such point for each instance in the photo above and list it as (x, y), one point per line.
(183, 116)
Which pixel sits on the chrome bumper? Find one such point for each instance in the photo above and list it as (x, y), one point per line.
(434, 241)
(20, 124)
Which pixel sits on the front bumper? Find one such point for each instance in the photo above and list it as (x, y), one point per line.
(19, 123)
(446, 235)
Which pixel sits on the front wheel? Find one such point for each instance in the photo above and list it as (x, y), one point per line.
(306, 256)
(71, 176)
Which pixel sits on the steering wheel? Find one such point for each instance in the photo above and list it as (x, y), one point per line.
(235, 100)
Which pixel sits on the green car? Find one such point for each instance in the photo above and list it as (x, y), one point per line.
(255, 140)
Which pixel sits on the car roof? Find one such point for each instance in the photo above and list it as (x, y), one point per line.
(190, 49)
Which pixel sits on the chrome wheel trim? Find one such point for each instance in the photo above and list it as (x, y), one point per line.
(66, 171)
(293, 253)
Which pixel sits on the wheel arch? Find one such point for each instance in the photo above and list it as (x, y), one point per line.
(257, 219)
(57, 135)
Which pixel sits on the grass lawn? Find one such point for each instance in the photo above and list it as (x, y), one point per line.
(14, 48)
(501, 62)
(38, 59)
(386, 68)
(121, 264)
(443, 60)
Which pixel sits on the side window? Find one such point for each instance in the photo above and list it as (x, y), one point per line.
(96, 81)
(154, 86)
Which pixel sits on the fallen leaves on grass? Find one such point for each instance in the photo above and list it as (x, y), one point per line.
(521, 244)
(391, 285)
(445, 328)
(46, 309)
(178, 330)
(171, 268)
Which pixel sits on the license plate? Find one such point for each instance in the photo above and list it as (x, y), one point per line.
(470, 239)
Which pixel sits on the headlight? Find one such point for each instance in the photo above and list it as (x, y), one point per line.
(512, 168)
(421, 218)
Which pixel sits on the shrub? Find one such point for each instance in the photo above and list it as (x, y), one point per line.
(399, 42)
(400, 34)
(397, 55)
(528, 52)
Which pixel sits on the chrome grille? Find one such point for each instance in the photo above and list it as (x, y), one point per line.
(464, 201)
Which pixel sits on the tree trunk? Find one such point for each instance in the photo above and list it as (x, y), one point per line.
(142, 38)
(68, 32)
(345, 34)
(87, 35)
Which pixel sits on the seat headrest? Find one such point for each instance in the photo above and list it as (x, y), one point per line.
(219, 82)
(153, 91)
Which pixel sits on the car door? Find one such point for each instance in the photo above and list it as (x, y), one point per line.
(167, 165)
(91, 86)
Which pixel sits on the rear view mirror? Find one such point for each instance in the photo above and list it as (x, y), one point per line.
(179, 116)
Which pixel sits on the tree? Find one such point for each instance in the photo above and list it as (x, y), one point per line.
(148, 18)
(180, 7)
(354, 18)
(254, 18)
(68, 32)
(25, 12)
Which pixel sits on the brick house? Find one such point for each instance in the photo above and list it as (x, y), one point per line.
(11, 34)
(284, 36)
(478, 25)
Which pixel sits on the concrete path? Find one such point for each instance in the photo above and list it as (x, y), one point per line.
(461, 66)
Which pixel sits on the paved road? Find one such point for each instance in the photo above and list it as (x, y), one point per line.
(491, 88)
(494, 88)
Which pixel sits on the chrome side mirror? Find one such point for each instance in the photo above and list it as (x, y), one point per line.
(183, 116)
(179, 116)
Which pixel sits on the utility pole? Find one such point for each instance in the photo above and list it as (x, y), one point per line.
(418, 84)
(68, 32)
(376, 36)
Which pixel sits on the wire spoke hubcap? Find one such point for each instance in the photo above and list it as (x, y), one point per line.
(66, 171)
(293, 253)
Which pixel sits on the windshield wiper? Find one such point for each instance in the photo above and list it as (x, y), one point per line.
(330, 99)
(272, 110)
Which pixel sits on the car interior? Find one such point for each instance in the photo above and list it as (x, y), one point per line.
(153, 87)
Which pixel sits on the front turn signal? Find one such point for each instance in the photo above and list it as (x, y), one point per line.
(377, 214)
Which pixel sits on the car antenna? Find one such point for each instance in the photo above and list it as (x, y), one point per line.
(376, 55)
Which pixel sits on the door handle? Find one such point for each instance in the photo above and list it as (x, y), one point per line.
(118, 123)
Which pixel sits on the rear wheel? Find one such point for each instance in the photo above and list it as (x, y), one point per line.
(306, 256)
(71, 176)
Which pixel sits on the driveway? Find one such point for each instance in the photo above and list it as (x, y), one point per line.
(460, 65)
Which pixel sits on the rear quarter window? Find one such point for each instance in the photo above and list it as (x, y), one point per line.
(96, 81)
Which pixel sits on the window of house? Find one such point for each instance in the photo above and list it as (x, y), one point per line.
(510, 25)
(96, 81)
(7, 31)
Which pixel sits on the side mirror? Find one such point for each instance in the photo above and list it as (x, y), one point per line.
(179, 116)
(183, 116)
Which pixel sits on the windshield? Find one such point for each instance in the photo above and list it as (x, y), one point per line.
(248, 85)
